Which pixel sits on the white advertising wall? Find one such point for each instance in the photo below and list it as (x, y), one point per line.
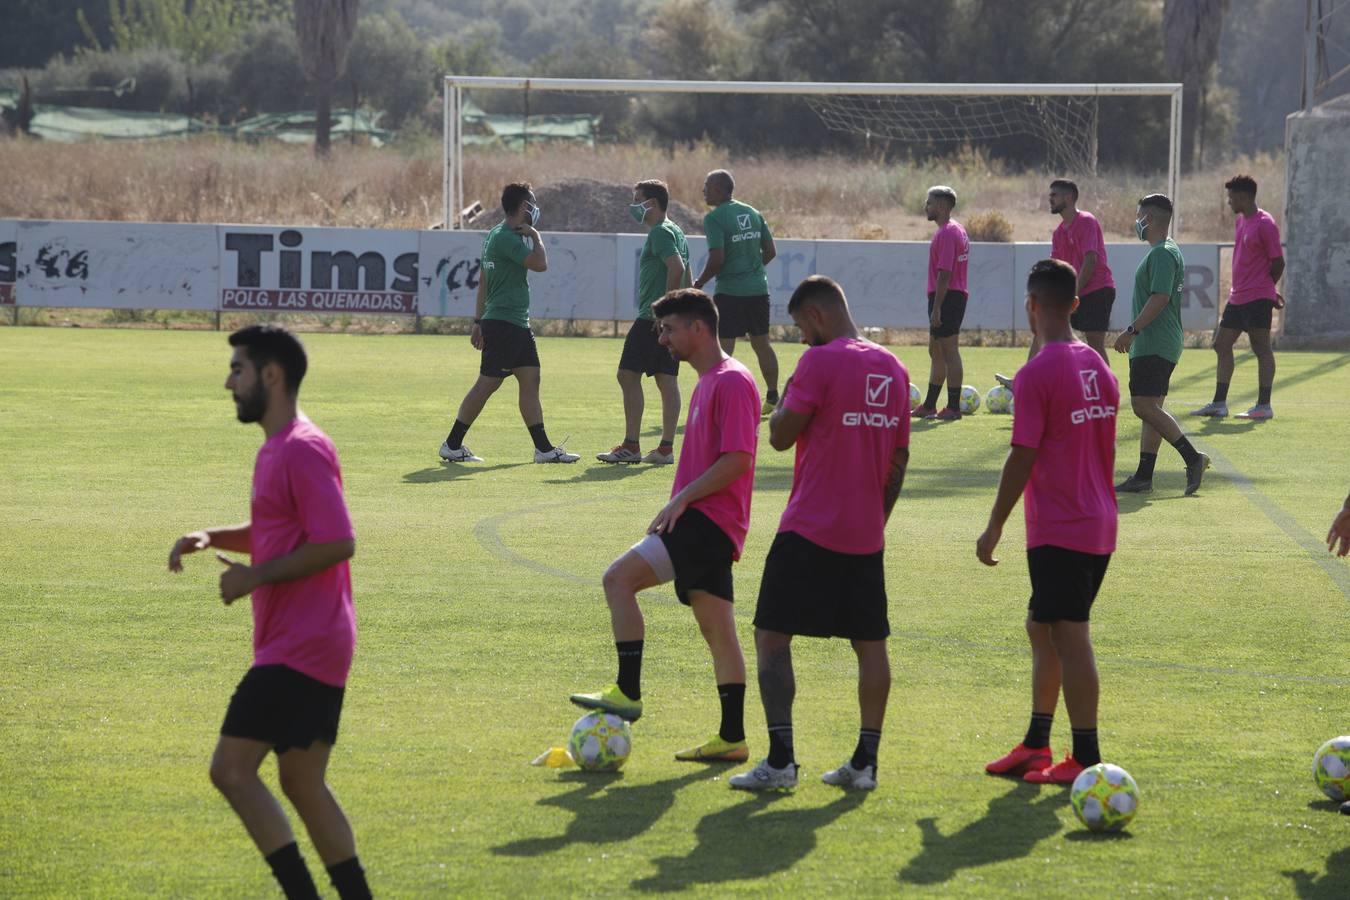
(436, 273)
(123, 265)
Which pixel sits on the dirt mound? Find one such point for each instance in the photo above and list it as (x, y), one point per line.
(584, 204)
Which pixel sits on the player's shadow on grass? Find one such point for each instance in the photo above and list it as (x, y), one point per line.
(747, 841)
(600, 473)
(453, 471)
(1011, 828)
(1132, 503)
(604, 811)
(1213, 426)
(1334, 884)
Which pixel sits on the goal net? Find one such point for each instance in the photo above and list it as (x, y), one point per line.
(1060, 120)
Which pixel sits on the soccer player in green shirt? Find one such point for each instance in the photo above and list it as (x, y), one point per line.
(1153, 340)
(739, 247)
(501, 327)
(663, 267)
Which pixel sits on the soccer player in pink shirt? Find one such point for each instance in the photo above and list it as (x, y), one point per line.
(846, 409)
(299, 538)
(696, 537)
(1062, 456)
(1258, 263)
(948, 255)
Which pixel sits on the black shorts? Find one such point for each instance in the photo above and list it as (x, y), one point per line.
(737, 316)
(1064, 583)
(809, 590)
(1253, 316)
(506, 347)
(1150, 376)
(701, 554)
(953, 313)
(1094, 310)
(285, 708)
(642, 351)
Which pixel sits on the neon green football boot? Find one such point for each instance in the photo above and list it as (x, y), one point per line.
(611, 700)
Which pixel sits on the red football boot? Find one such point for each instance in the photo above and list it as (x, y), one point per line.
(1062, 772)
(1020, 760)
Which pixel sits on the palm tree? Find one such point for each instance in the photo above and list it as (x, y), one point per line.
(1191, 30)
(323, 29)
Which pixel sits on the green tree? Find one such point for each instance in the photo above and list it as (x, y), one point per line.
(198, 30)
(1191, 32)
(324, 30)
(389, 68)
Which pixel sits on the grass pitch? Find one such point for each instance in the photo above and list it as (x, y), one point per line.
(477, 591)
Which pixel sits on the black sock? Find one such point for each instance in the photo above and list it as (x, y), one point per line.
(630, 668)
(954, 397)
(1085, 746)
(1146, 463)
(349, 879)
(733, 712)
(865, 754)
(931, 400)
(1184, 447)
(1038, 732)
(780, 745)
(456, 438)
(1263, 395)
(290, 871)
(540, 438)
(1220, 392)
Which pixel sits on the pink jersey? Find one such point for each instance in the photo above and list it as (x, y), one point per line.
(307, 624)
(857, 395)
(949, 252)
(1256, 241)
(1074, 240)
(723, 418)
(1066, 408)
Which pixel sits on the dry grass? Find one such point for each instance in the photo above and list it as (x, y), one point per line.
(211, 180)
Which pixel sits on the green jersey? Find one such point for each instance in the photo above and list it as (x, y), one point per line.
(503, 274)
(1161, 272)
(663, 241)
(738, 230)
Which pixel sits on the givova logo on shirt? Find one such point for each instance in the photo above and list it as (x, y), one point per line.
(1089, 379)
(877, 392)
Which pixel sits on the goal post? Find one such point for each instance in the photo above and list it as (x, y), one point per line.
(1063, 116)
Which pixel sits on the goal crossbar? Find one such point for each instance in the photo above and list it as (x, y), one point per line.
(455, 85)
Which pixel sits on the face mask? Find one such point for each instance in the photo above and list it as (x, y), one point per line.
(534, 214)
(1140, 226)
(638, 211)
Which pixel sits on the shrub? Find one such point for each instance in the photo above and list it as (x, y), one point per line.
(990, 225)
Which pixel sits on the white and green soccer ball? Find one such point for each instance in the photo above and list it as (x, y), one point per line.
(915, 396)
(1331, 768)
(600, 742)
(1104, 797)
(999, 399)
(970, 399)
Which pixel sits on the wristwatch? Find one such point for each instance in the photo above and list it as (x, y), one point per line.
(1130, 329)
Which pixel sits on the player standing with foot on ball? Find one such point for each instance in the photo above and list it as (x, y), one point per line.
(739, 247)
(501, 327)
(662, 267)
(846, 409)
(1153, 340)
(948, 256)
(696, 537)
(1063, 457)
(299, 537)
(1258, 263)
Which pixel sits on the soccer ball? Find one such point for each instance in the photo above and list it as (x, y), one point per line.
(1331, 768)
(915, 397)
(1012, 403)
(1104, 797)
(999, 399)
(600, 742)
(970, 399)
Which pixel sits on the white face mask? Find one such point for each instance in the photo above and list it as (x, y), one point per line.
(1140, 227)
(534, 213)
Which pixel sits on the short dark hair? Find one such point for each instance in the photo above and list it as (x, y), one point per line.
(947, 193)
(1064, 184)
(726, 178)
(654, 189)
(689, 302)
(1157, 201)
(1242, 184)
(514, 194)
(817, 289)
(1053, 281)
(273, 343)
